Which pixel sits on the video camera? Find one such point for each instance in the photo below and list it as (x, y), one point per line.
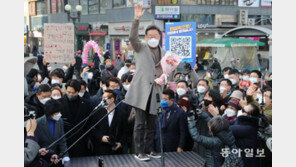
(28, 114)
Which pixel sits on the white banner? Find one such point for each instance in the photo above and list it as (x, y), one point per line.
(266, 3)
(146, 3)
(248, 3)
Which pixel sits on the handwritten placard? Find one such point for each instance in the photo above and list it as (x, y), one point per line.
(59, 42)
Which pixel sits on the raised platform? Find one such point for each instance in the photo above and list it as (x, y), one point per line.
(172, 159)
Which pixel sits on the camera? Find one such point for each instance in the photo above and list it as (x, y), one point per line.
(30, 115)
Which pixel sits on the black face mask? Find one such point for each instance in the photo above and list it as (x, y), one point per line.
(207, 102)
(72, 97)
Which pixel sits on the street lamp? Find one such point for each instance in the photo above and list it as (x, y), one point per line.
(73, 18)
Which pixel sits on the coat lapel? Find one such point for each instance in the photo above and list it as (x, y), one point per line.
(161, 55)
(46, 129)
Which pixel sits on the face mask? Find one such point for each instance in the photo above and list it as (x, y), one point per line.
(221, 89)
(164, 104)
(201, 89)
(186, 78)
(57, 117)
(35, 88)
(55, 81)
(104, 88)
(207, 102)
(230, 112)
(226, 76)
(48, 68)
(72, 97)
(65, 68)
(43, 101)
(253, 80)
(81, 94)
(246, 78)
(56, 97)
(108, 65)
(106, 105)
(233, 81)
(153, 42)
(181, 91)
(126, 87)
(89, 75)
(133, 71)
(39, 78)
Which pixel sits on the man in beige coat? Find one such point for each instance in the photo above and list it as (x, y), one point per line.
(143, 89)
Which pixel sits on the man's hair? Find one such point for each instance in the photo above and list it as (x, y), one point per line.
(43, 88)
(128, 61)
(126, 77)
(58, 72)
(112, 80)
(218, 124)
(206, 81)
(233, 71)
(52, 106)
(75, 84)
(257, 72)
(227, 81)
(186, 83)
(226, 69)
(112, 92)
(215, 95)
(255, 110)
(82, 82)
(170, 93)
(152, 27)
(33, 72)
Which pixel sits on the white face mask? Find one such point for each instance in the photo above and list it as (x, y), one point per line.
(246, 78)
(43, 101)
(55, 81)
(126, 87)
(89, 75)
(57, 117)
(226, 76)
(65, 68)
(230, 112)
(56, 97)
(133, 71)
(104, 88)
(208, 75)
(259, 98)
(233, 81)
(48, 68)
(181, 91)
(253, 80)
(39, 78)
(201, 89)
(153, 43)
(186, 79)
(81, 94)
(221, 89)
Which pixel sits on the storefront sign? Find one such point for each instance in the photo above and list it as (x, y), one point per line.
(180, 38)
(248, 3)
(59, 42)
(167, 12)
(146, 3)
(266, 3)
(81, 28)
(202, 26)
(97, 33)
(166, 2)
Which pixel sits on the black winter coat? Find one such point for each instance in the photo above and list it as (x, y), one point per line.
(74, 112)
(245, 129)
(33, 103)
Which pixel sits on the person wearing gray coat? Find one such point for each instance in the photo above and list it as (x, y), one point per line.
(31, 143)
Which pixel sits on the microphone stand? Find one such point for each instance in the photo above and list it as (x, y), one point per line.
(64, 152)
(160, 135)
(91, 114)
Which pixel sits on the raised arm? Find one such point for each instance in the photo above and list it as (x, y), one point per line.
(134, 39)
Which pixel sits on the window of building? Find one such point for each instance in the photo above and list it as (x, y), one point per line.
(119, 3)
(198, 18)
(189, 2)
(41, 8)
(93, 6)
(103, 6)
(84, 4)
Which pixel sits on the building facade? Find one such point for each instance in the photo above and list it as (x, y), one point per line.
(109, 21)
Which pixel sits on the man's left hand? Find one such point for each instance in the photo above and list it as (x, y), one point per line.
(118, 145)
(179, 149)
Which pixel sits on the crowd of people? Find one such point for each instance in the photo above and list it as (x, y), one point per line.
(81, 110)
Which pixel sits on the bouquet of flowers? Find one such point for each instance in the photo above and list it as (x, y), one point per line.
(169, 63)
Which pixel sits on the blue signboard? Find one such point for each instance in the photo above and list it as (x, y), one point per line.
(180, 38)
(167, 16)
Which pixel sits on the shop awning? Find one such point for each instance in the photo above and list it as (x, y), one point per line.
(228, 42)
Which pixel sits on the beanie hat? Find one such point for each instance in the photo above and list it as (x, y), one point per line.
(52, 106)
(237, 94)
(234, 103)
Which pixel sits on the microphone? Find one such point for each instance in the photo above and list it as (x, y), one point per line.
(103, 102)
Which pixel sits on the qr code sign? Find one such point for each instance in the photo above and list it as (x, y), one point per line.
(181, 45)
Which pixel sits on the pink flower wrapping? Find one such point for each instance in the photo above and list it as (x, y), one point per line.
(169, 63)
